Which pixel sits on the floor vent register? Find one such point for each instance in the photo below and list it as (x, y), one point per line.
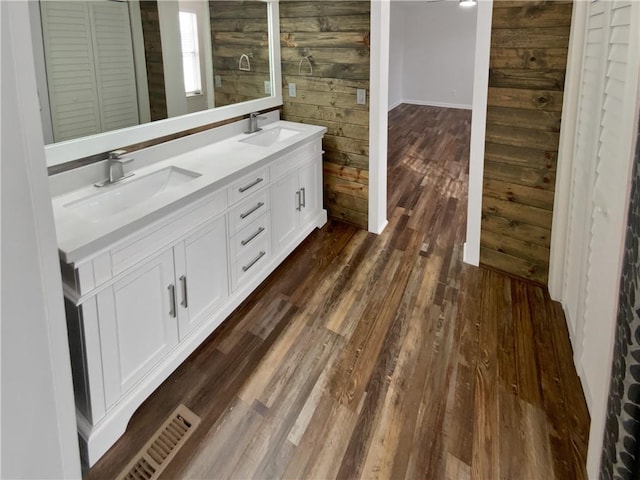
(153, 458)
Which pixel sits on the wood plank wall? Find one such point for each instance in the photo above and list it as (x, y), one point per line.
(529, 41)
(153, 54)
(334, 36)
(239, 28)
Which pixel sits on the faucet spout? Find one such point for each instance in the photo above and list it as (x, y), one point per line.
(116, 168)
(253, 122)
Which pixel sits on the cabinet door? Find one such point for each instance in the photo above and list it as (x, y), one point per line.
(284, 210)
(137, 324)
(310, 189)
(201, 274)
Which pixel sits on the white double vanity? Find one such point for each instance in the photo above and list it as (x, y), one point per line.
(153, 264)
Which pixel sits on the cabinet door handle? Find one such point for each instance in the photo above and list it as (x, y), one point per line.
(251, 237)
(299, 204)
(253, 262)
(183, 280)
(249, 212)
(172, 300)
(304, 197)
(251, 185)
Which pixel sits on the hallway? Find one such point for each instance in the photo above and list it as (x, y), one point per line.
(384, 356)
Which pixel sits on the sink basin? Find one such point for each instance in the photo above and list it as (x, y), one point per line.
(266, 138)
(115, 198)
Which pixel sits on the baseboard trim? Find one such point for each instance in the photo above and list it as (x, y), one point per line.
(395, 104)
(437, 104)
(469, 255)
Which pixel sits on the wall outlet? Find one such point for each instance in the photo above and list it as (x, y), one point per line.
(361, 96)
(292, 90)
(454, 92)
(267, 86)
(218, 81)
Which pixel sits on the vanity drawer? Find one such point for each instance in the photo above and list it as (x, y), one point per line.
(249, 236)
(248, 185)
(161, 234)
(296, 158)
(248, 211)
(250, 262)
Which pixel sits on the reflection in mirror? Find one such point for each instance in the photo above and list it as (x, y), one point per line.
(240, 38)
(108, 65)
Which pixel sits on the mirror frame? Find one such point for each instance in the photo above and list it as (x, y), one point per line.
(70, 150)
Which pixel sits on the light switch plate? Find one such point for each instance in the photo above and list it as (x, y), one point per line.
(218, 81)
(361, 96)
(267, 86)
(292, 90)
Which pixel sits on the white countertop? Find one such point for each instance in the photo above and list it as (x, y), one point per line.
(218, 164)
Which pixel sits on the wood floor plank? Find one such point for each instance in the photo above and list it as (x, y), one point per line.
(485, 450)
(524, 450)
(384, 356)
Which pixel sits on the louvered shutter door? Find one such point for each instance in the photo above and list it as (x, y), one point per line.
(602, 162)
(70, 70)
(609, 199)
(115, 70)
(584, 165)
(90, 67)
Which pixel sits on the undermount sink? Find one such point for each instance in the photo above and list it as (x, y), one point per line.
(266, 138)
(115, 198)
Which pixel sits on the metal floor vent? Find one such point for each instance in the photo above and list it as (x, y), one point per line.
(153, 458)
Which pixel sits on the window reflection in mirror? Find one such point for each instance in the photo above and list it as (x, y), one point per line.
(190, 53)
(107, 65)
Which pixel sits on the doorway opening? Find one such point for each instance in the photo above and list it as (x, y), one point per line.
(431, 75)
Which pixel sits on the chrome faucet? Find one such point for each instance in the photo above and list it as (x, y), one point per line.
(116, 168)
(253, 122)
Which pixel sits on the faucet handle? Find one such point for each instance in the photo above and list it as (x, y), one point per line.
(116, 154)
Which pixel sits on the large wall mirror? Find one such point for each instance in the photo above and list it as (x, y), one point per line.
(112, 73)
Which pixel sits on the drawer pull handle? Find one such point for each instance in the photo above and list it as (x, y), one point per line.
(251, 185)
(298, 201)
(246, 214)
(253, 262)
(183, 280)
(172, 300)
(248, 240)
(304, 197)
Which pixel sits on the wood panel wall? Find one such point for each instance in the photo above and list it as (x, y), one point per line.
(529, 41)
(239, 28)
(153, 57)
(334, 36)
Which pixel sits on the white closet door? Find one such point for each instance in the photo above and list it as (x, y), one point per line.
(584, 169)
(609, 202)
(602, 166)
(90, 67)
(71, 78)
(115, 69)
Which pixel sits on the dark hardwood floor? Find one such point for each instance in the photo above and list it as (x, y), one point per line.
(386, 357)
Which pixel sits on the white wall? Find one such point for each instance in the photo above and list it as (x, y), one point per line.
(438, 54)
(378, 107)
(396, 54)
(471, 252)
(39, 438)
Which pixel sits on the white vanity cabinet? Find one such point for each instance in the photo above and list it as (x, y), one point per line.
(201, 275)
(140, 304)
(143, 315)
(140, 315)
(296, 196)
(136, 318)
